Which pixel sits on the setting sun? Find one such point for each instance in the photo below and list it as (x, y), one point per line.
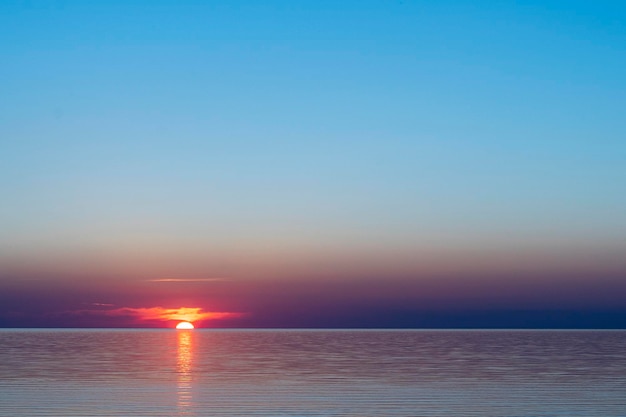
(184, 325)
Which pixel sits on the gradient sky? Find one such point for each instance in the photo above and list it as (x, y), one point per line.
(313, 163)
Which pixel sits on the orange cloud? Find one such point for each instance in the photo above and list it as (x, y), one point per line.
(179, 314)
(188, 280)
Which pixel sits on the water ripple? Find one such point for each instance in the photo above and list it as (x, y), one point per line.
(312, 373)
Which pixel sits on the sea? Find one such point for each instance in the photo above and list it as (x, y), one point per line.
(356, 373)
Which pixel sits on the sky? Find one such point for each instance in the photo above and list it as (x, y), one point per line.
(313, 163)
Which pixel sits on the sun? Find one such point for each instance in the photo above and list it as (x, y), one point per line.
(184, 325)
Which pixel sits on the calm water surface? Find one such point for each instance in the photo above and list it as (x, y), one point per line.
(312, 373)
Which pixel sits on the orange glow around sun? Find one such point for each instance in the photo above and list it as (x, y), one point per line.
(165, 317)
(182, 314)
(184, 325)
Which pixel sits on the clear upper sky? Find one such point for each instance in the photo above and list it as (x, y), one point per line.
(344, 141)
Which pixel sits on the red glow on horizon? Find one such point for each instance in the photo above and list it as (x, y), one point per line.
(160, 314)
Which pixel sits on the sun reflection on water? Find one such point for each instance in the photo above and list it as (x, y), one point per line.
(183, 370)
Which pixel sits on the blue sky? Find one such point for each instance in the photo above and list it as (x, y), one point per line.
(318, 132)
